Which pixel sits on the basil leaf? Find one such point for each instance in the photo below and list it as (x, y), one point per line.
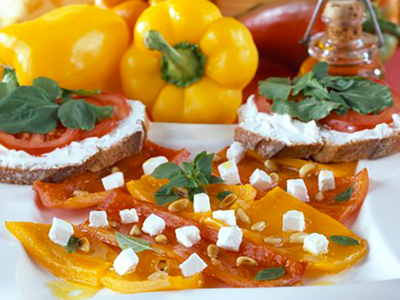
(315, 90)
(202, 179)
(9, 82)
(203, 163)
(73, 244)
(80, 92)
(346, 195)
(343, 108)
(181, 180)
(214, 179)
(187, 168)
(320, 70)
(275, 88)
(270, 274)
(198, 190)
(50, 86)
(32, 111)
(344, 240)
(130, 242)
(222, 195)
(300, 83)
(165, 195)
(166, 171)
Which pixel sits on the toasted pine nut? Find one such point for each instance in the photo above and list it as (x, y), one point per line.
(273, 241)
(307, 169)
(162, 239)
(113, 223)
(178, 205)
(274, 177)
(259, 226)
(298, 237)
(135, 230)
(79, 193)
(162, 265)
(245, 261)
(215, 261)
(242, 216)
(212, 251)
(115, 170)
(84, 245)
(157, 276)
(319, 196)
(270, 165)
(228, 201)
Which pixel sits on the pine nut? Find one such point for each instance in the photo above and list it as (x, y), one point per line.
(215, 261)
(157, 276)
(298, 237)
(212, 251)
(113, 223)
(162, 265)
(228, 201)
(273, 241)
(115, 170)
(319, 196)
(259, 226)
(162, 239)
(245, 261)
(179, 205)
(79, 193)
(307, 169)
(274, 177)
(270, 165)
(243, 216)
(135, 231)
(84, 245)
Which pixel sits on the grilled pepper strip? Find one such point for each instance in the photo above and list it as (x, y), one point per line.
(189, 65)
(79, 46)
(226, 270)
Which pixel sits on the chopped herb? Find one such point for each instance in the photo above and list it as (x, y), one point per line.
(344, 240)
(73, 244)
(222, 195)
(136, 244)
(346, 195)
(270, 274)
(192, 176)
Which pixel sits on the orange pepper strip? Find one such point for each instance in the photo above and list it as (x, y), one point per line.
(225, 269)
(60, 195)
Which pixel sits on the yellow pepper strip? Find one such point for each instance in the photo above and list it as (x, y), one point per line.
(271, 209)
(189, 65)
(79, 46)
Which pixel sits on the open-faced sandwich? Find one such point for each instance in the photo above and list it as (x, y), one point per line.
(49, 133)
(326, 118)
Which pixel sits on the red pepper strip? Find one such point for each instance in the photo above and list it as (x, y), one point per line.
(61, 195)
(224, 268)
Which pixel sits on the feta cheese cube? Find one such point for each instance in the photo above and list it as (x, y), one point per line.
(188, 235)
(126, 262)
(297, 188)
(230, 238)
(226, 216)
(229, 172)
(201, 203)
(326, 180)
(152, 163)
(113, 181)
(98, 218)
(236, 152)
(260, 180)
(293, 220)
(60, 231)
(193, 265)
(316, 244)
(153, 225)
(129, 216)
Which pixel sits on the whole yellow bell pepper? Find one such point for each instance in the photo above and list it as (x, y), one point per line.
(188, 63)
(79, 46)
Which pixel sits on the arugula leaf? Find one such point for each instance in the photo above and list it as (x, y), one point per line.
(344, 240)
(130, 242)
(166, 171)
(346, 195)
(49, 86)
(275, 88)
(270, 274)
(73, 244)
(222, 195)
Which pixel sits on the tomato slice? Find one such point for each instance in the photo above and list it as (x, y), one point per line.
(38, 144)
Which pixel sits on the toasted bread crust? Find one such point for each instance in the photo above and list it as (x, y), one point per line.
(320, 152)
(102, 159)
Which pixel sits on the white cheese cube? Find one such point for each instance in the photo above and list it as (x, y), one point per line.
(188, 235)
(293, 220)
(229, 172)
(230, 238)
(226, 216)
(297, 188)
(60, 231)
(153, 225)
(152, 163)
(326, 180)
(193, 265)
(260, 180)
(201, 203)
(98, 218)
(113, 181)
(126, 262)
(316, 244)
(129, 216)
(236, 152)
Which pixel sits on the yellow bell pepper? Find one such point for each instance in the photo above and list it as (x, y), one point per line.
(130, 11)
(79, 46)
(188, 63)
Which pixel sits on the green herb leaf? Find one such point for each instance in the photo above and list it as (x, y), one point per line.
(275, 88)
(187, 167)
(203, 163)
(214, 179)
(73, 244)
(49, 86)
(344, 240)
(270, 274)
(198, 190)
(182, 181)
(320, 70)
(343, 106)
(165, 195)
(166, 171)
(346, 195)
(80, 93)
(130, 242)
(9, 82)
(222, 195)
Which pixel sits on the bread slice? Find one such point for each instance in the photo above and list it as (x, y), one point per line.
(328, 147)
(126, 140)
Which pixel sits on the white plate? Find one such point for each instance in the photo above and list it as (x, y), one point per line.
(377, 277)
